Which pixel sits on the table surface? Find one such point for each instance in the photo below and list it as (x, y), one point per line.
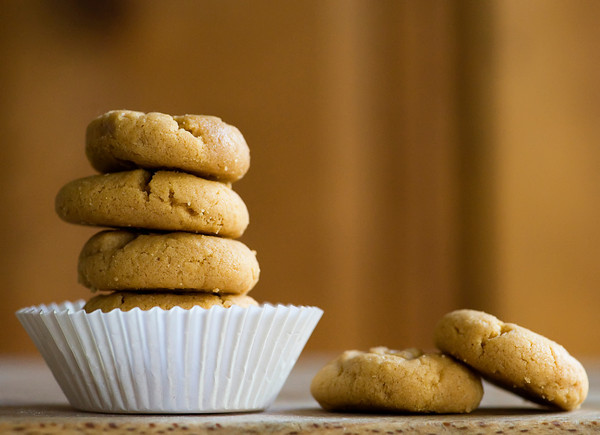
(32, 402)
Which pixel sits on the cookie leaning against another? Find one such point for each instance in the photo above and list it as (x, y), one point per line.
(123, 260)
(163, 200)
(396, 381)
(126, 301)
(202, 145)
(514, 358)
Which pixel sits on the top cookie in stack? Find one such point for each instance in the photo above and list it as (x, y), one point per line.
(166, 187)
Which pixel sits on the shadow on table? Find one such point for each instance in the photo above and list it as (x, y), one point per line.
(480, 412)
(42, 409)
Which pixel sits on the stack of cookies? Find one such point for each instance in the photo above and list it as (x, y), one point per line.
(173, 329)
(165, 189)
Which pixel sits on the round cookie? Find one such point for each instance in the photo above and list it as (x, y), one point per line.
(126, 301)
(202, 145)
(163, 200)
(396, 381)
(514, 358)
(123, 260)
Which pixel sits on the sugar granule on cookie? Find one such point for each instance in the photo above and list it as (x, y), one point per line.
(514, 358)
(383, 380)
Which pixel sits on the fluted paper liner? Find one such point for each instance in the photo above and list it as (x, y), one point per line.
(170, 361)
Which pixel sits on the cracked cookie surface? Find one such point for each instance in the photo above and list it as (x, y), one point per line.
(206, 146)
(383, 380)
(125, 301)
(126, 260)
(163, 200)
(514, 358)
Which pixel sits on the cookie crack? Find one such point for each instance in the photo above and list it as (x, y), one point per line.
(132, 237)
(198, 133)
(187, 206)
(147, 178)
(114, 256)
(554, 359)
(504, 329)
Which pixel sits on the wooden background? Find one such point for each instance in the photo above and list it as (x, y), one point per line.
(408, 158)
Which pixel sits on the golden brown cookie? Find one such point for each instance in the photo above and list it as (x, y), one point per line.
(514, 358)
(396, 381)
(123, 260)
(163, 200)
(126, 301)
(202, 145)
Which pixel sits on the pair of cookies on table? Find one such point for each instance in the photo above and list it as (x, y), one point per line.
(505, 354)
(166, 188)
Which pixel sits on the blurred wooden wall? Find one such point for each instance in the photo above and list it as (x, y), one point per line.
(401, 164)
(530, 177)
(547, 166)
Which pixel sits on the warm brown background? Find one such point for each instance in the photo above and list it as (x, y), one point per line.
(408, 158)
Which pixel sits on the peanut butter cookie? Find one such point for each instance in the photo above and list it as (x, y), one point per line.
(164, 200)
(126, 301)
(396, 381)
(202, 145)
(514, 358)
(123, 260)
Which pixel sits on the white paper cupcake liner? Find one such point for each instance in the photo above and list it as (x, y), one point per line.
(170, 361)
